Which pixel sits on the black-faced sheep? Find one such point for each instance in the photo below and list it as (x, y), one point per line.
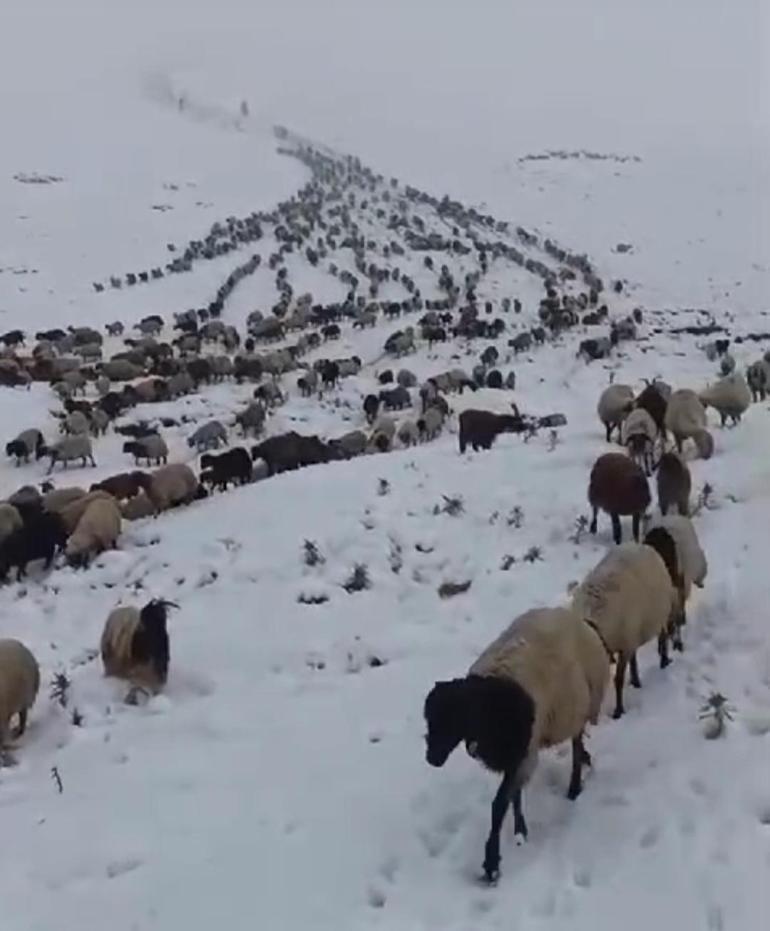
(27, 443)
(691, 559)
(152, 448)
(408, 433)
(171, 485)
(231, 466)
(480, 429)
(123, 486)
(619, 487)
(631, 597)
(653, 400)
(730, 397)
(540, 683)
(615, 403)
(19, 685)
(396, 399)
(674, 484)
(40, 536)
(135, 646)
(637, 433)
(371, 407)
(69, 449)
(348, 445)
(96, 531)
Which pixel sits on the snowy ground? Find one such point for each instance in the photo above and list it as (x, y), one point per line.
(280, 781)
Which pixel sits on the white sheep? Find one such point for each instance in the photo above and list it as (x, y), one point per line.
(72, 511)
(614, 405)
(19, 684)
(135, 645)
(10, 520)
(631, 597)
(408, 434)
(538, 684)
(686, 419)
(431, 423)
(171, 485)
(638, 433)
(70, 448)
(730, 397)
(381, 437)
(57, 499)
(137, 507)
(97, 530)
(76, 423)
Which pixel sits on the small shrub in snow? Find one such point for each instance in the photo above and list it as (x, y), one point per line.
(515, 518)
(76, 718)
(553, 440)
(705, 500)
(57, 779)
(452, 506)
(581, 525)
(395, 557)
(533, 554)
(60, 686)
(507, 562)
(358, 580)
(311, 555)
(715, 714)
(383, 487)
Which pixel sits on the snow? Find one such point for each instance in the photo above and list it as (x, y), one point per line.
(280, 779)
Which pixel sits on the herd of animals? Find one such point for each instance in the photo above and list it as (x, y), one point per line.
(544, 679)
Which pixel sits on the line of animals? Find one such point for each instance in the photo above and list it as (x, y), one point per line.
(543, 680)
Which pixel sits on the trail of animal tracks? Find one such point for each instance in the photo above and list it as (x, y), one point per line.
(280, 780)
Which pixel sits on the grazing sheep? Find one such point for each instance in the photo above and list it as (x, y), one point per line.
(308, 383)
(27, 500)
(596, 348)
(431, 423)
(396, 399)
(171, 485)
(406, 379)
(521, 343)
(209, 436)
(153, 448)
(291, 451)
(38, 538)
(19, 685)
(674, 484)
(69, 449)
(538, 684)
(408, 434)
(691, 560)
(619, 487)
(371, 407)
(730, 397)
(26, 443)
(758, 379)
(138, 507)
(10, 520)
(72, 511)
(349, 444)
(615, 403)
(251, 419)
(631, 597)
(57, 499)
(122, 486)
(121, 370)
(76, 423)
(381, 438)
(481, 428)
(637, 434)
(654, 400)
(231, 466)
(135, 645)
(685, 417)
(96, 531)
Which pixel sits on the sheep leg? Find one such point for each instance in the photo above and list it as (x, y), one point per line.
(580, 756)
(617, 533)
(592, 528)
(22, 725)
(620, 674)
(634, 672)
(519, 824)
(491, 865)
(663, 649)
(635, 521)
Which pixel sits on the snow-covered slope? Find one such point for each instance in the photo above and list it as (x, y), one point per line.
(280, 780)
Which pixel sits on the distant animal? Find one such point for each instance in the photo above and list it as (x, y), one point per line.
(480, 429)
(26, 443)
(208, 436)
(152, 448)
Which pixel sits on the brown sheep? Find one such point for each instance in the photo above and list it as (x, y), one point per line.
(674, 484)
(653, 400)
(481, 428)
(122, 486)
(619, 487)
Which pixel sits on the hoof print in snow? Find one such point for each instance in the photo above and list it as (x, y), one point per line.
(121, 867)
(376, 897)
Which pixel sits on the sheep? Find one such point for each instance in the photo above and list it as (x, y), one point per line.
(631, 596)
(97, 530)
(208, 436)
(674, 484)
(349, 444)
(72, 511)
(619, 487)
(27, 500)
(308, 383)
(730, 397)
(122, 486)
(637, 434)
(431, 423)
(615, 403)
(396, 398)
(10, 520)
(408, 434)
(371, 407)
(121, 370)
(70, 448)
(758, 379)
(39, 537)
(291, 451)
(171, 485)
(653, 399)
(19, 685)
(135, 645)
(595, 348)
(481, 428)
(57, 499)
(406, 379)
(691, 559)
(686, 418)
(75, 423)
(251, 419)
(231, 466)
(538, 684)
(153, 448)
(381, 438)
(137, 507)
(26, 443)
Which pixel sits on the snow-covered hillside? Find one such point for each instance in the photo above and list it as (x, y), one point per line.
(280, 780)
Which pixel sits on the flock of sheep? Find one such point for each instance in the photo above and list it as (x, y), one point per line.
(543, 680)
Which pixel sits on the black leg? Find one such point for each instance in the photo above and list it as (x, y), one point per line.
(617, 533)
(579, 755)
(492, 847)
(519, 824)
(592, 528)
(608, 429)
(634, 670)
(620, 674)
(635, 520)
(663, 649)
(22, 723)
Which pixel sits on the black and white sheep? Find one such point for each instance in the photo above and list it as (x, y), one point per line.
(637, 433)
(27, 443)
(135, 645)
(152, 448)
(480, 429)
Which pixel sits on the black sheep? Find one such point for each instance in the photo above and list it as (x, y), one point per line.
(291, 451)
(479, 429)
(396, 399)
(39, 538)
(234, 465)
(652, 401)
(371, 407)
